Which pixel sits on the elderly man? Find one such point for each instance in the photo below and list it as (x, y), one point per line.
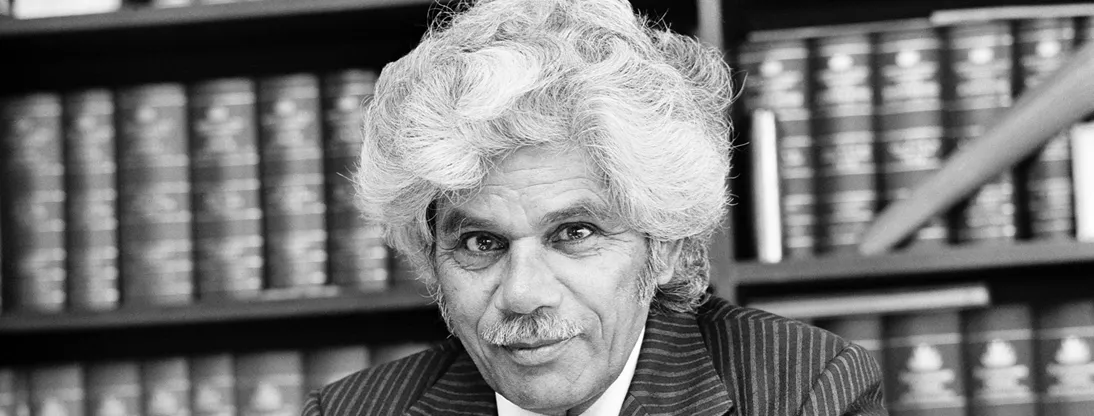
(555, 170)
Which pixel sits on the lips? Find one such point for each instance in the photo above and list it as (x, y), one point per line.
(535, 353)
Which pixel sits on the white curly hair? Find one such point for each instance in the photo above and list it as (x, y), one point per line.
(647, 105)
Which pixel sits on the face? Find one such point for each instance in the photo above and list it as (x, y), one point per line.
(540, 280)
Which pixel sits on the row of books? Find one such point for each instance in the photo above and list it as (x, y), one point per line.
(34, 9)
(163, 193)
(848, 119)
(1001, 360)
(264, 383)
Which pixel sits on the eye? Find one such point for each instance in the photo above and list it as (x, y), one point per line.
(574, 232)
(481, 243)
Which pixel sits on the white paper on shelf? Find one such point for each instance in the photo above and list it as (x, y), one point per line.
(872, 303)
(1082, 173)
(766, 195)
(33, 9)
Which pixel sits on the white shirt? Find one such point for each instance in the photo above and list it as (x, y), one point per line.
(608, 404)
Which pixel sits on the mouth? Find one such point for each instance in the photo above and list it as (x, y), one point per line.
(535, 353)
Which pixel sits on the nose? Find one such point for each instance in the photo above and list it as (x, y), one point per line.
(528, 282)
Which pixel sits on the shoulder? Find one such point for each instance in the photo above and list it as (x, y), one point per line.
(775, 363)
(385, 389)
(734, 327)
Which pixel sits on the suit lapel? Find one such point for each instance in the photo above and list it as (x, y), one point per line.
(461, 390)
(675, 374)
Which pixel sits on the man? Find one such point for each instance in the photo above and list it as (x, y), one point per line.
(555, 170)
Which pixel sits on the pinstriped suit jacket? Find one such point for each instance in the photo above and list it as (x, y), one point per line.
(723, 360)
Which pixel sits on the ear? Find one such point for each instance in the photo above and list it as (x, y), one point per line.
(668, 252)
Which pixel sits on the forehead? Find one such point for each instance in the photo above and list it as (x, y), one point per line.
(532, 183)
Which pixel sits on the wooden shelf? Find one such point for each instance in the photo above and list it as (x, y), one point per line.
(910, 263)
(397, 299)
(148, 17)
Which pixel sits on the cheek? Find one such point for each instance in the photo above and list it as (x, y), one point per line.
(466, 298)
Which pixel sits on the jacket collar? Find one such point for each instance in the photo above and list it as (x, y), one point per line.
(675, 375)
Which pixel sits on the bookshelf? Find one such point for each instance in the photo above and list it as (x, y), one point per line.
(910, 263)
(397, 299)
(214, 13)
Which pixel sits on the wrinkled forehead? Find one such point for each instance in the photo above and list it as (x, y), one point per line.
(536, 185)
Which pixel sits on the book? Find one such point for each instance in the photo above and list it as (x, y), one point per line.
(212, 382)
(1043, 45)
(57, 390)
(843, 126)
(91, 197)
(327, 365)
(113, 388)
(1065, 336)
(778, 80)
(269, 383)
(924, 367)
(292, 181)
(14, 392)
(979, 75)
(910, 117)
(862, 330)
(226, 188)
(33, 202)
(1082, 173)
(999, 354)
(154, 209)
(356, 250)
(165, 383)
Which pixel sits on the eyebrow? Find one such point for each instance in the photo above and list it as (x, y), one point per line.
(458, 219)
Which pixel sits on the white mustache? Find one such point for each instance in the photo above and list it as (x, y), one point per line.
(531, 328)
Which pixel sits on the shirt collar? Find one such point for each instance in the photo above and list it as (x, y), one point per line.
(608, 404)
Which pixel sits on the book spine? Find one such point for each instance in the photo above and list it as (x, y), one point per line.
(14, 392)
(862, 330)
(166, 387)
(91, 198)
(269, 383)
(843, 113)
(34, 197)
(292, 176)
(154, 196)
(57, 390)
(113, 389)
(226, 189)
(1082, 172)
(33, 204)
(779, 81)
(213, 381)
(924, 367)
(1043, 45)
(327, 365)
(999, 354)
(1065, 336)
(980, 73)
(910, 118)
(357, 253)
